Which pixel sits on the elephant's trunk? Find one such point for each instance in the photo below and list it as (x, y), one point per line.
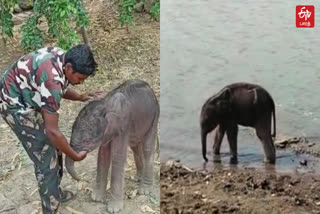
(204, 145)
(70, 168)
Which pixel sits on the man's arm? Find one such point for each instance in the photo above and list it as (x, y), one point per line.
(75, 96)
(58, 139)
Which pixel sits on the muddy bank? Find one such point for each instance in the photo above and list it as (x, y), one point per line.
(184, 190)
(243, 190)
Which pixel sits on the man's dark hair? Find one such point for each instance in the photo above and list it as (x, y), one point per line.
(81, 59)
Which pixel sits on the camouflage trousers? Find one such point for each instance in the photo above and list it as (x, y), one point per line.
(47, 161)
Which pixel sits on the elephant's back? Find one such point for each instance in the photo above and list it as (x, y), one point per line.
(246, 86)
(249, 101)
(136, 92)
(254, 92)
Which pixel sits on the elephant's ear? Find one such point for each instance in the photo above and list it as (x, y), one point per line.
(116, 124)
(223, 106)
(225, 94)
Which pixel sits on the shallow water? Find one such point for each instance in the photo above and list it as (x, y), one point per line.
(206, 45)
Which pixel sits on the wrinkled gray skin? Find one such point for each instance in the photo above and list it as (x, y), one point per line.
(127, 116)
(239, 104)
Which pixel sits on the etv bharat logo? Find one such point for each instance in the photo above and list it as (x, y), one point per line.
(305, 16)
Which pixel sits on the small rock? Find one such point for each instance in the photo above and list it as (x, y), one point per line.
(139, 7)
(265, 184)
(227, 185)
(197, 205)
(172, 163)
(295, 181)
(148, 4)
(17, 9)
(26, 4)
(298, 201)
(311, 144)
(304, 162)
(232, 209)
(17, 20)
(215, 210)
(21, 17)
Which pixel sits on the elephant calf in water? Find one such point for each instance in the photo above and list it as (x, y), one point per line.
(244, 104)
(126, 116)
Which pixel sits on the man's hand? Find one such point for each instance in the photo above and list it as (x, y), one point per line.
(81, 155)
(57, 138)
(92, 96)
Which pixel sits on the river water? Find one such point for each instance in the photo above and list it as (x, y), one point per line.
(207, 44)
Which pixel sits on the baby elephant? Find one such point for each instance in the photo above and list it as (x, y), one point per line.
(126, 116)
(244, 104)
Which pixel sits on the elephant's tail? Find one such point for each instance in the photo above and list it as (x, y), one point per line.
(204, 145)
(274, 119)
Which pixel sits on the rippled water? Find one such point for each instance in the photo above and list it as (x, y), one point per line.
(208, 44)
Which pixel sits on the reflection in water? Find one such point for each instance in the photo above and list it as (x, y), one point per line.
(312, 165)
(206, 45)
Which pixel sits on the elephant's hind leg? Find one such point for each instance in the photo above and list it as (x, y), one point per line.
(148, 154)
(263, 130)
(138, 159)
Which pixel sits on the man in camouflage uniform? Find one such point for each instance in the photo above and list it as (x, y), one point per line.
(30, 93)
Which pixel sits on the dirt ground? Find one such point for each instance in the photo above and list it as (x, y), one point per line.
(246, 190)
(121, 55)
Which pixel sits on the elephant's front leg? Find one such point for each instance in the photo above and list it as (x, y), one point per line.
(232, 134)
(119, 155)
(218, 139)
(104, 157)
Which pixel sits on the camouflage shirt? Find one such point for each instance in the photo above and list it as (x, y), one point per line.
(36, 81)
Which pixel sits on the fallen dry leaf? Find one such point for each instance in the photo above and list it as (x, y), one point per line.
(3, 126)
(37, 211)
(133, 193)
(80, 185)
(33, 192)
(188, 169)
(73, 211)
(146, 208)
(36, 203)
(157, 162)
(130, 163)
